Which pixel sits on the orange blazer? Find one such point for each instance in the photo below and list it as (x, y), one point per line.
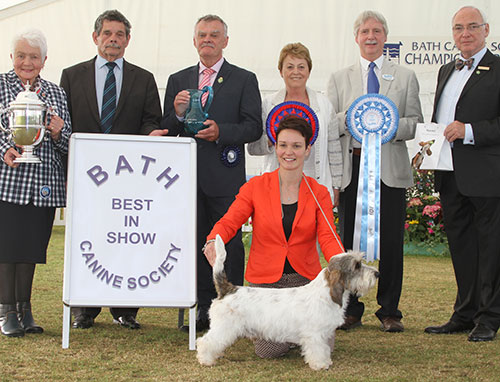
(260, 199)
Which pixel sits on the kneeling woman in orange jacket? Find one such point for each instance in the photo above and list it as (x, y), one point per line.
(290, 213)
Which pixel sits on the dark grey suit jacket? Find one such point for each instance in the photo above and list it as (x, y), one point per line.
(236, 108)
(138, 110)
(476, 167)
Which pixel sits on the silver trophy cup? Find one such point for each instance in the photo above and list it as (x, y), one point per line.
(27, 124)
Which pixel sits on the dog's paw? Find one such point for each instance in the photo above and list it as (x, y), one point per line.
(319, 365)
(205, 361)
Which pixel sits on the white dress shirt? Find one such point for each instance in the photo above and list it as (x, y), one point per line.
(445, 113)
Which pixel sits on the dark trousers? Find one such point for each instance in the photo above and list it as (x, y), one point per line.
(210, 210)
(115, 312)
(473, 229)
(392, 219)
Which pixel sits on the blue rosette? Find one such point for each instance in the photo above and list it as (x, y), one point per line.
(373, 113)
(230, 156)
(372, 120)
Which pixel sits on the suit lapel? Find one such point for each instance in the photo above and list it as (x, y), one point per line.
(275, 204)
(447, 71)
(88, 72)
(127, 85)
(356, 81)
(387, 77)
(477, 75)
(222, 77)
(193, 77)
(303, 191)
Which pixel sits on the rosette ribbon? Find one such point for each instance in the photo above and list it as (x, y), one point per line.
(372, 120)
(295, 108)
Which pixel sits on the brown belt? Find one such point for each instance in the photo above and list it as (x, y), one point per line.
(356, 151)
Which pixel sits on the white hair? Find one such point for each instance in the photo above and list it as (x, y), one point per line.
(34, 37)
(366, 15)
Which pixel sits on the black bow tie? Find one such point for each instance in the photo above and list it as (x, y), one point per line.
(459, 64)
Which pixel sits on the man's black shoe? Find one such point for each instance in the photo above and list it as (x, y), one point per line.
(83, 321)
(481, 333)
(449, 328)
(128, 321)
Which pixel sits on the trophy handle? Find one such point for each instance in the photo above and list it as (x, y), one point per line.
(50, 111)
(209, 99)
(4, 110)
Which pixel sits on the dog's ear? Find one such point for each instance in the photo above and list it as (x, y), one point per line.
(335, 284)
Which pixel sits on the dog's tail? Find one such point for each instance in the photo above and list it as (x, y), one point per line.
(222, 285)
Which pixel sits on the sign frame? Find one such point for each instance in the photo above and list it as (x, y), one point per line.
(169, 164)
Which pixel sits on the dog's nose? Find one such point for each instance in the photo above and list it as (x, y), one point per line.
(377, 274)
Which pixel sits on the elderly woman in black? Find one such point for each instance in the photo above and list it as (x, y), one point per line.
(29, 192)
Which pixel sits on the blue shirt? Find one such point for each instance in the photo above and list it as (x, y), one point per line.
(101, 71)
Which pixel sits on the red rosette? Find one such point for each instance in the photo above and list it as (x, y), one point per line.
(297, 109)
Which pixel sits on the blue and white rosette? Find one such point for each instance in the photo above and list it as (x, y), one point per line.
(372, 120)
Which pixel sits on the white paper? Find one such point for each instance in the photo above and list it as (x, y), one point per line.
(430, 150)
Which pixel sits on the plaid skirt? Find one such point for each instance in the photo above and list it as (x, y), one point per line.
(269, 349)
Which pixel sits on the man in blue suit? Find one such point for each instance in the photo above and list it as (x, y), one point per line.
(234, 119)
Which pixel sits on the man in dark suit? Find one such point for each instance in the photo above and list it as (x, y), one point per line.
(234, 119)
(133, 108)
(468, 103)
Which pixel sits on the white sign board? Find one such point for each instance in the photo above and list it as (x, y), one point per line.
(131, 221)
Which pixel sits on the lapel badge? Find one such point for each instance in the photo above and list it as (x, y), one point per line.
(388, 77)
(483, 68)
(220, 80)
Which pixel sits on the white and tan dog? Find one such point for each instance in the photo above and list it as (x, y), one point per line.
(307, 315)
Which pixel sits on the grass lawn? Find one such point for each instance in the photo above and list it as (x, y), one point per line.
(159, 352)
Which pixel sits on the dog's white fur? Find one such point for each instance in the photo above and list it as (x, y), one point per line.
(307, 315)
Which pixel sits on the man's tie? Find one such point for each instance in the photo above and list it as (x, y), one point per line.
(373, 84)
(108, 99)
(205, 80)
(459, 64)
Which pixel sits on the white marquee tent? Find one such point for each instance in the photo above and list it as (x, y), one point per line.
(162, 31)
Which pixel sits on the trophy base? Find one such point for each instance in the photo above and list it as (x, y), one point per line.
(194, 127)
(27, 159)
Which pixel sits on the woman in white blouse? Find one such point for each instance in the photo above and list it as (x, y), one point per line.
(325, 160)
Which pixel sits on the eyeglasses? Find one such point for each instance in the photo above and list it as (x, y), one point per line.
(472, 28)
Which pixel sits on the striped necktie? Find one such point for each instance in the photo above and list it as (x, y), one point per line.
(205, 81)
(373, 84)
(108, 99)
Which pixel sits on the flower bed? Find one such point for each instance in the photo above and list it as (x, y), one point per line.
(424, 228)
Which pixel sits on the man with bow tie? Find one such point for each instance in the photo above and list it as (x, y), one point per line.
(468, 103)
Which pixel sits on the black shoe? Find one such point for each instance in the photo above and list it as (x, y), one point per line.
(9, 323)
(25, 318)
(83, 321)
(128, 321)
(350, 322)
(449, 328)
(201, 326)
(481, 333)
